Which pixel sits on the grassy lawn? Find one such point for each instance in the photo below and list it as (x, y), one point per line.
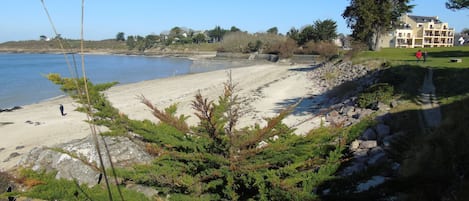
(437, 57)
(450, 78)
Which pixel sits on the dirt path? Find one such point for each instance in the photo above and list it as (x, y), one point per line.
(430, 108)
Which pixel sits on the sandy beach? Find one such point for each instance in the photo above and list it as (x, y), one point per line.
(264, 89)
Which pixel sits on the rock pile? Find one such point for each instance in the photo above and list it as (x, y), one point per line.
(329, 75)
(371, 148)
(346, 113)
(341, 105)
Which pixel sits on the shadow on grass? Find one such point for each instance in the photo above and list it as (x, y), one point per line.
(451, 82)
(448, 54)
(433, 162)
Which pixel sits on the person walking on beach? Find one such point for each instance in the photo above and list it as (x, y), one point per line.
(418, 55)
(425, 54)
(62, 110)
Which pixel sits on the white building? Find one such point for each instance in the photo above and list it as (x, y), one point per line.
(419, 32)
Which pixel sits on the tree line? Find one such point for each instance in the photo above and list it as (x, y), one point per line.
(237, 40)
(368, 19)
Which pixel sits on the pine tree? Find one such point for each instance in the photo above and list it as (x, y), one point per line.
(370, 19)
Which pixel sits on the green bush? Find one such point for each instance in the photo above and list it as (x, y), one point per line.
(381, 92)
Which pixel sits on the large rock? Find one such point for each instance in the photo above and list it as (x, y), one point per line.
(79, 159)
(377, 156)
(368, 144)
(373, 182)
(382, 130)
(355, 167)
(355, 145)
(369, 134)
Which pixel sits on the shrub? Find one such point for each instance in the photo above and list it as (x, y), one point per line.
(242, 42)
(381, 92)
(284, 49)
(237, 42)
(327, 50)
(216, 161)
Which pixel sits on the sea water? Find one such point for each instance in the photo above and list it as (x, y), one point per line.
(23, 76)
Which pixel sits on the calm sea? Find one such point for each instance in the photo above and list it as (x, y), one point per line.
(22, 76)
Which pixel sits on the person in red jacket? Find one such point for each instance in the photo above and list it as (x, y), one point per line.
(418, 55)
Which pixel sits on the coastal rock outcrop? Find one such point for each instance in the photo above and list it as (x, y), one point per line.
(79, 159)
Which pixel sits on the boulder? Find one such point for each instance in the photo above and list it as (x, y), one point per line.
(369, 134)
(382, 130)
(349, 111)
(354, 145)
(373, 182)
(79, 159)
(355, 167)
(368, 144)
(377, 156)
(384, 118)
(387, 140)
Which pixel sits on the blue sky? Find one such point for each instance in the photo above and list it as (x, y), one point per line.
(26, 19)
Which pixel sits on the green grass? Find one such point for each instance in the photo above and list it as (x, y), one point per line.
(45, 186)
(437, 57)
(450, 78)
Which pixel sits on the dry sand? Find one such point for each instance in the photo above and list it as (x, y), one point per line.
(265, 90)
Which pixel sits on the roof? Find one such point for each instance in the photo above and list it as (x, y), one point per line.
(424, 19)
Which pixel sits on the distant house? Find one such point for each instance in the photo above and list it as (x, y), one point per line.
(419, 32)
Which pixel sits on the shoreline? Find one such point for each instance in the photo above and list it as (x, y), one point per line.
(177, 54)
(200, 61)
(264, 90)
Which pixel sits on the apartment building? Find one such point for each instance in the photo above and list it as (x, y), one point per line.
(419, 32)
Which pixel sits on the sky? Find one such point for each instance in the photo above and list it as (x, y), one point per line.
(103, 19)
